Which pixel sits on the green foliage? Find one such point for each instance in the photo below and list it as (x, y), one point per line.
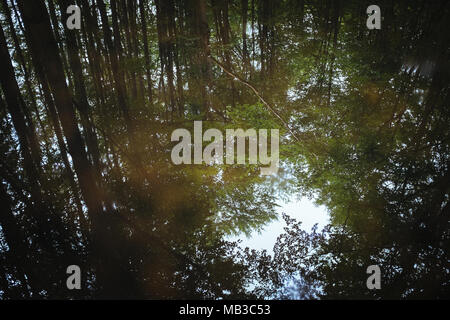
(86, 174)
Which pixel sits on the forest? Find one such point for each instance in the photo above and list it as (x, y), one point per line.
(86, 176)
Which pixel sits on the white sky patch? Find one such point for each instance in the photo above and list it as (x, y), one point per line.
(303, 210)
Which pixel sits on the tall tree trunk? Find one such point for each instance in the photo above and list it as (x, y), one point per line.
(125, 23)
(165, 21)
(82, 103)
(96, 61)
(142, 11)
(53, 115)
(132, 16)
(244, 8)
(119, 80)
(201, 30)
(224, 33)
(54, 23)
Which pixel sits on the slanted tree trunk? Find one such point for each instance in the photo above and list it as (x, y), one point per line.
(15, 107)
(28, 85)
(37, 25)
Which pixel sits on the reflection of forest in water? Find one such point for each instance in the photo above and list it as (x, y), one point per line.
(86, 177)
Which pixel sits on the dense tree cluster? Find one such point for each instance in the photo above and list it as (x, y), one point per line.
(86, 176)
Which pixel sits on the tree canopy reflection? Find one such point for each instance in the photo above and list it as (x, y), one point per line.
(86, 177)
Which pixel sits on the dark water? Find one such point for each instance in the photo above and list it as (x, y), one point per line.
(87, 176)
